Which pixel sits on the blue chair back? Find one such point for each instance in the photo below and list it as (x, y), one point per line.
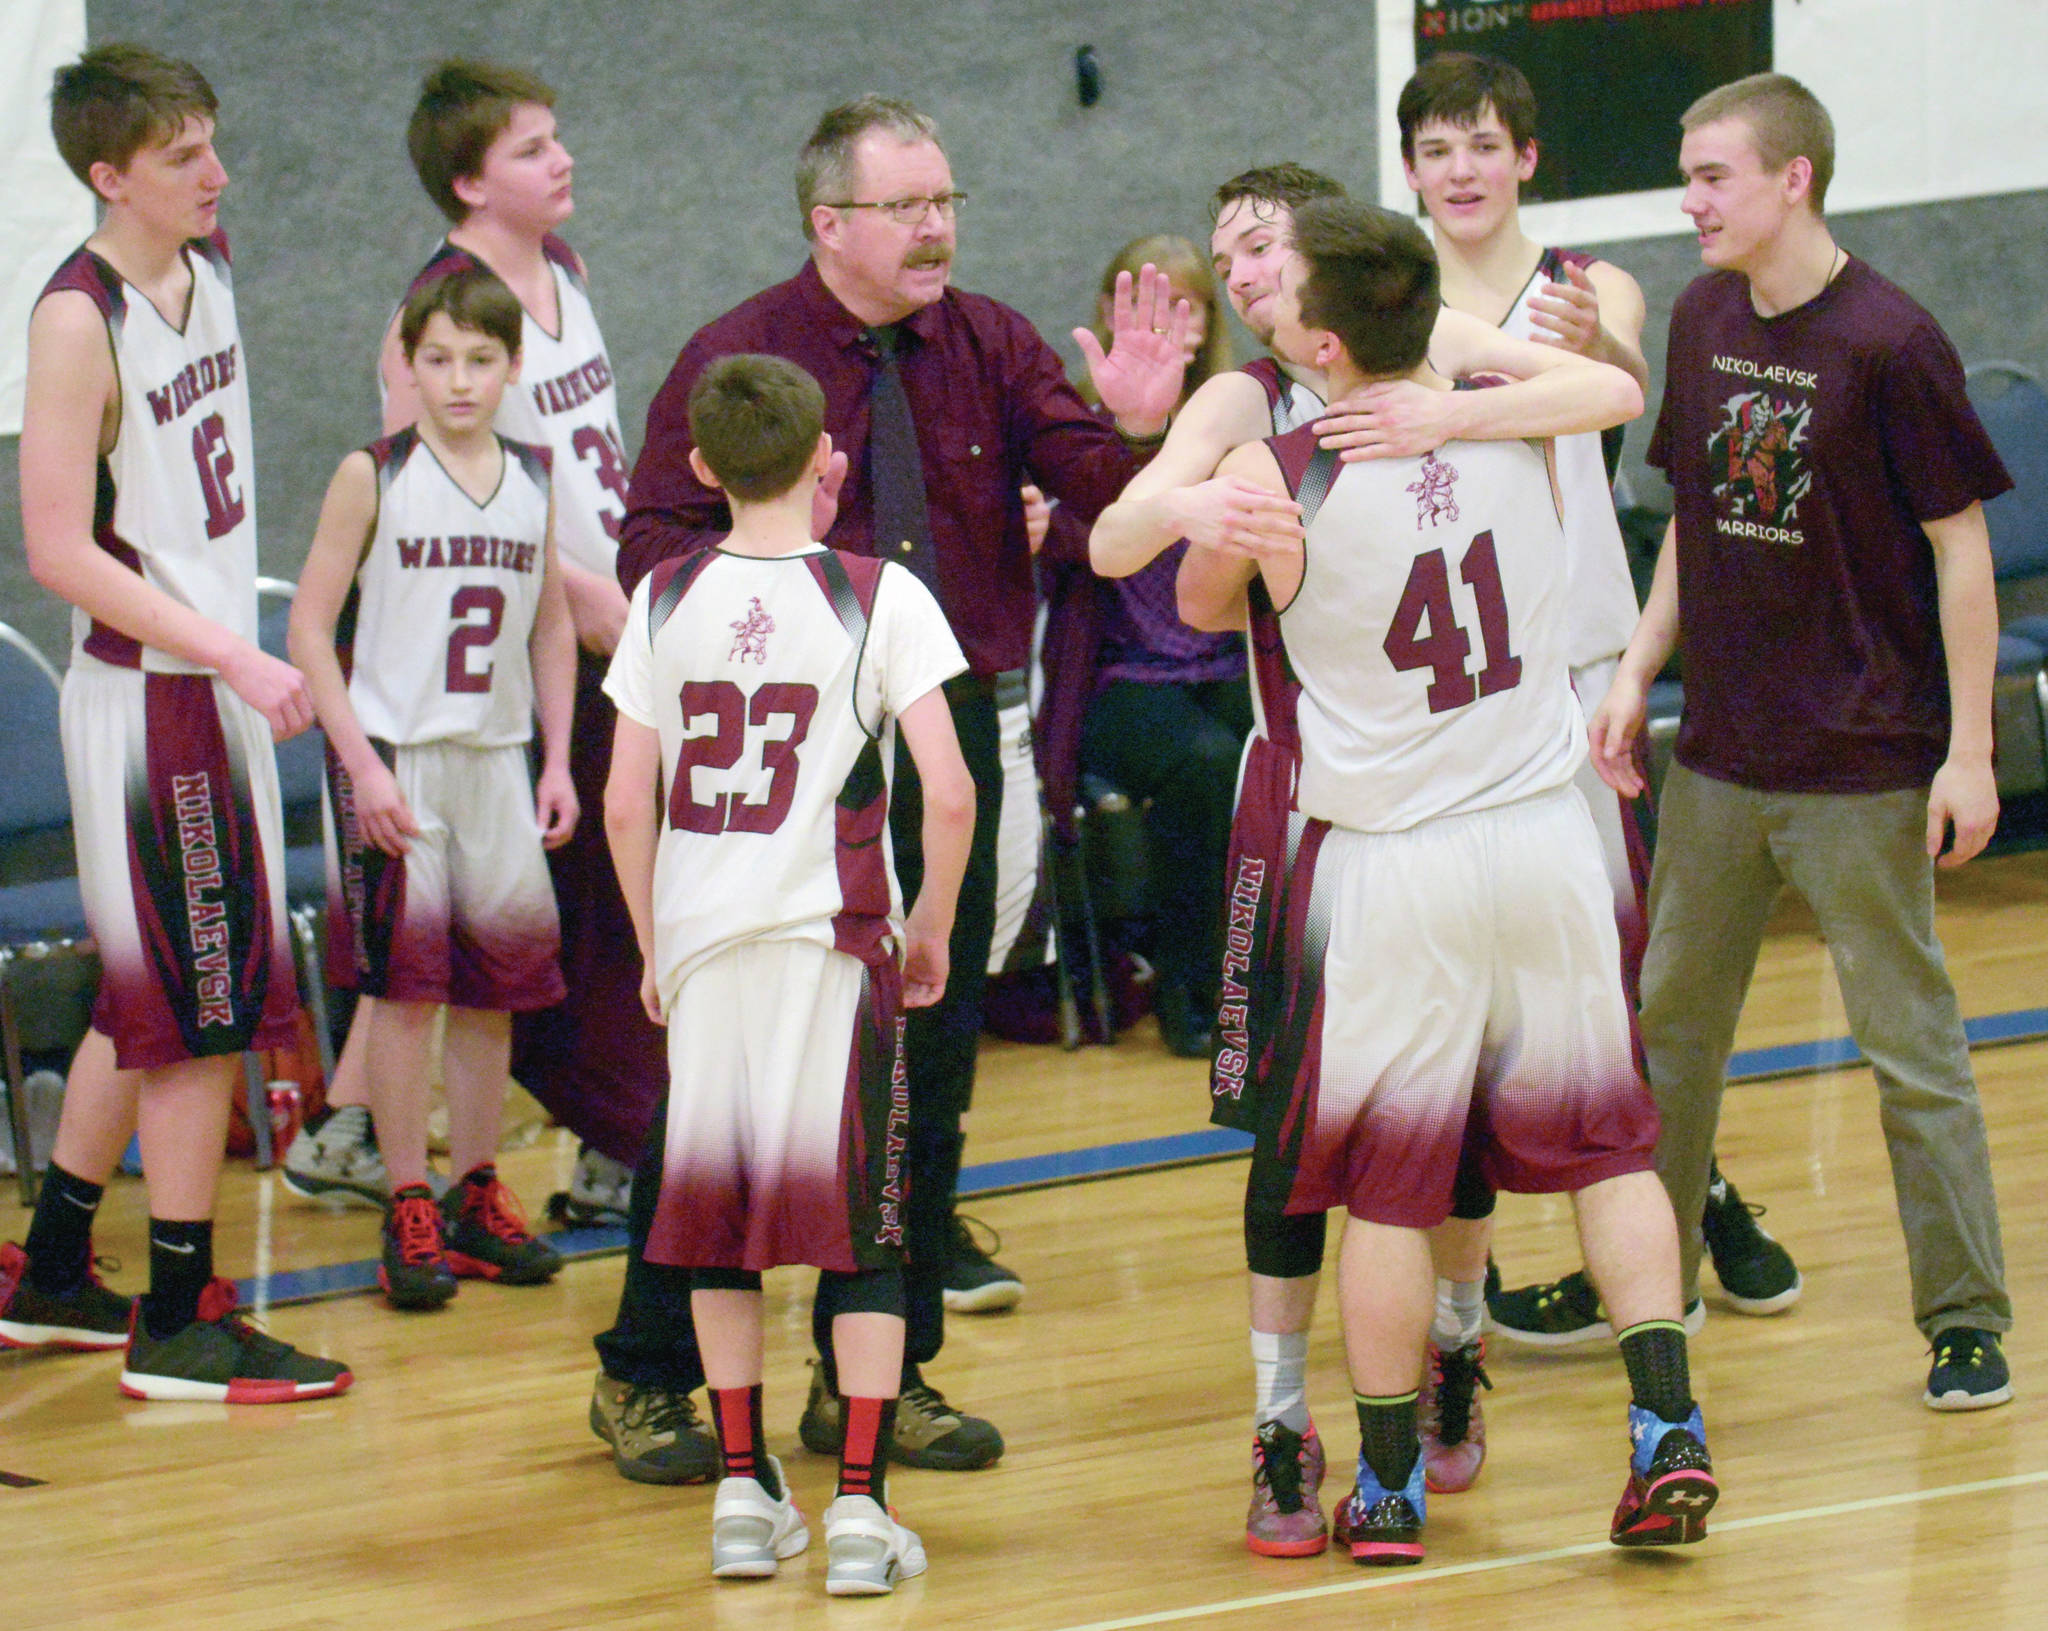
(2014, 408)
(33, 794)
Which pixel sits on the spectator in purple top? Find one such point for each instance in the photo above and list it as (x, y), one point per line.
(1827, 577)
(1166, 706)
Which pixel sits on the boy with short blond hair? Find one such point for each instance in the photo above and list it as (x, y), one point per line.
(757, 683)
(435, 548)
(138, 507)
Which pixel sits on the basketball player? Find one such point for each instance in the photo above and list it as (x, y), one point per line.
(1468, 142)
(1452, 976)
(434, 544)
(756, 683)
(484, 144)
(1831, 564)
(1284, 1253)
(138, 507)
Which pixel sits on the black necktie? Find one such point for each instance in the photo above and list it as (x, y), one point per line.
(903, 530)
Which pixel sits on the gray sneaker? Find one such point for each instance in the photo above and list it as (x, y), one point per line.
(599, 1193)
(42, 1095)
(339, 1161)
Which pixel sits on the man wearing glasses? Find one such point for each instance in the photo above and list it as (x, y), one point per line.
(940, 405)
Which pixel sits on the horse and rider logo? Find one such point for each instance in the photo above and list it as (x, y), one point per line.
(1435, 502)
(750, 636)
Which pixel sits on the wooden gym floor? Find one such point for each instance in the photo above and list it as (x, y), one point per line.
(458, 1485)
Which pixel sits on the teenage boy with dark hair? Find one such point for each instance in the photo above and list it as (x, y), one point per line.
(1450, 977)
(434, 547)
(138, 507)
(759, 683)
(1181, 493)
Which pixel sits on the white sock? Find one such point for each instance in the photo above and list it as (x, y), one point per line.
(1280, 1369)
(1460, 1313)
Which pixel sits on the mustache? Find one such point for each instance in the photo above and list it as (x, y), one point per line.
(928, 255)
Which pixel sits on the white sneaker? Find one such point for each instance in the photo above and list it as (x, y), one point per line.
(751, 1532)
(867, 1551)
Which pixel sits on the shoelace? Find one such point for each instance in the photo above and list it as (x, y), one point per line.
(928, 1399)
(416, 1221)
(1950, 1349)
(1459, 1375)
(658, 1410)
(495, 1207)
(1281, 1470)
(966, 1243)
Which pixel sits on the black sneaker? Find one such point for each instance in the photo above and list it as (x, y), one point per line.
(414, 1268)
(220, 1358)
(975, 1283)
(487, 1234)
(1182, 1026)
(930, 1433)
(87, 1317)
(1757, 1274)
(655, 1433)
(1969, 1371)
(1564, 1313)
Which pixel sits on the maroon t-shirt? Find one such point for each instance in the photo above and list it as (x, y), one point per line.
(1804, 451)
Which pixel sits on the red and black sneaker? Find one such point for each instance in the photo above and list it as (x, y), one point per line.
(487, 1234)
(223, 1359)
(414, 1270)
(88, 1316)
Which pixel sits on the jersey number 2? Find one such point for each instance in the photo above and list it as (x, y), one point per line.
(735, 711)
(225, 508)
(1443, 650)
(473, 597)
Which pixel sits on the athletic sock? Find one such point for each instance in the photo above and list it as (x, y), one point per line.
(870, 1425)
(1388, 1437)
(180, 1265)
(737, 1410)
(59, 1243)
(1280, 1376)
(1659, 1379)
(1460, 1313)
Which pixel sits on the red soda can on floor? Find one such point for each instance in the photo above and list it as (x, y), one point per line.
(287, 1111)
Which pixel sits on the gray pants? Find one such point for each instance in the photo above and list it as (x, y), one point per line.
(1859, 860)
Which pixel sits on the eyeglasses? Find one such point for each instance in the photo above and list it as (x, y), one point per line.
(909, 212)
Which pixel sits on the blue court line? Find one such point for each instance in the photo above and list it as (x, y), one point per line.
(1145, 1154)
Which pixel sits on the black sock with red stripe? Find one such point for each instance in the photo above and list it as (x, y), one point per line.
(870, 1424)
(737, 1410)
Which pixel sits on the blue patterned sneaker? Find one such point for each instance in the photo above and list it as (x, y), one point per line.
(1382, 1526)
(1969, 1371)
(1671, 1486)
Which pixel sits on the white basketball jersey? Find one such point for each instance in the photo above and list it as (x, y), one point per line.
(1602, 612)
(1429, 635)
(445, 600)
(770, 683)
(177, 496)
(566, 401)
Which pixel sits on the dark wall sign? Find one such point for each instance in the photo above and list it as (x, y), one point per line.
(1611, 77)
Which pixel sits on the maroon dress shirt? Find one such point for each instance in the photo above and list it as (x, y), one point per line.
(993, 410)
